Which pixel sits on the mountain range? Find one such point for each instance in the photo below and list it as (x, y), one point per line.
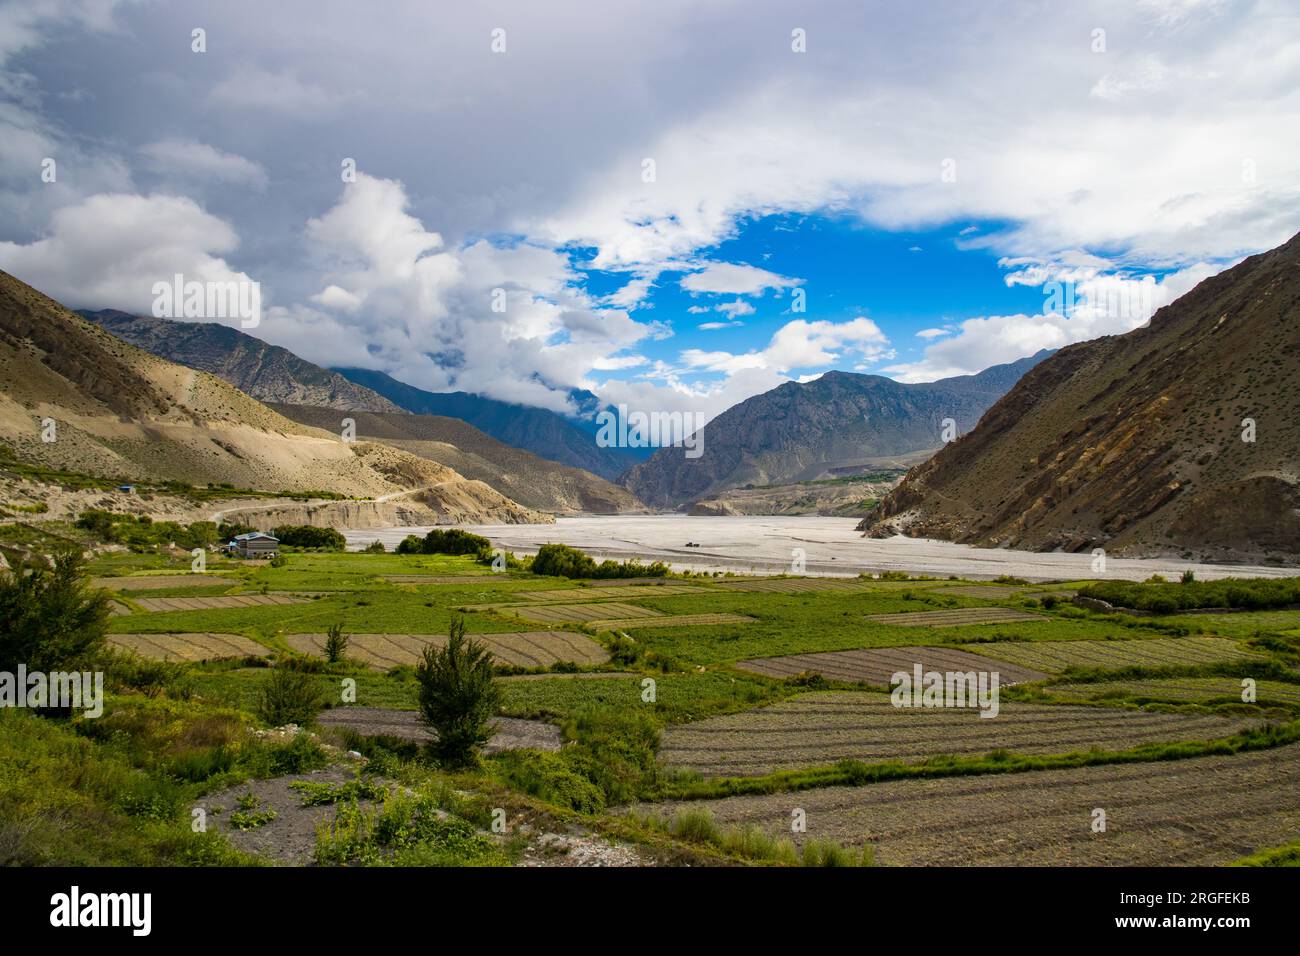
(539, 430)
(840, 424)
(76, 398)
(1181, 437)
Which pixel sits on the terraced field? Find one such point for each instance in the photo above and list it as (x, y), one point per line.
(629, 593)
(1185, 688)
(877, 665)
(522, 649)
(442, 578)
(796, 585)
(198, 646)
(571, 613)
(216, 603)
(670, 620)
(822, 728)
(158, 582)
(955, 617)
(1205, 811)
(1056, 656)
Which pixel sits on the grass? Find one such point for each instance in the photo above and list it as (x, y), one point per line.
(117, 791)
(1286, 855)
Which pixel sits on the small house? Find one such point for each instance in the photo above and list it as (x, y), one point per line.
(255, 544)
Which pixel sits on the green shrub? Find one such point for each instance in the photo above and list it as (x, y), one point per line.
(411, 544)
(458, 695)
(288, 696)
(455, 541)
(375, 547)
(336, 643)
(560, 560)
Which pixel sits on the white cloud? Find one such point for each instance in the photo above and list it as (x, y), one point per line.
(932, 333)
(734, 279)
(734, 309)
(110, 249)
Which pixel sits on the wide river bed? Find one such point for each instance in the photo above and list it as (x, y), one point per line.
(773, 545)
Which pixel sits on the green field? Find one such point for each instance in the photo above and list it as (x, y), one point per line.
(647, 723)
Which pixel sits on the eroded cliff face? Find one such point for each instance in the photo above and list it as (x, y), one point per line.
(1179, 438)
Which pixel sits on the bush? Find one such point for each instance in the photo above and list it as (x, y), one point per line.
(336, 643)
(458, 695)
(288, 696)
(560, 560)
(49, 618)
(375, 547)
(411, 544)
(455, 541)
(307, 536)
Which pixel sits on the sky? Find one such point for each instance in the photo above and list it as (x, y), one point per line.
(674, 205)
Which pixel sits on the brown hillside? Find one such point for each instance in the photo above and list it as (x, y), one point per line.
(1134, 442)
(121, 412)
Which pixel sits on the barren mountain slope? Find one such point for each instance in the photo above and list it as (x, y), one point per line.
(113, 409)
(528, 479)
(1135, 442)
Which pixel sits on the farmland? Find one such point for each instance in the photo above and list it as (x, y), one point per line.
(744, 695)
(1198, 812)
(823, 728)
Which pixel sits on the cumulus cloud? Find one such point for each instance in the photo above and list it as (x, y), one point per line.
(110, 249)
(734, 279)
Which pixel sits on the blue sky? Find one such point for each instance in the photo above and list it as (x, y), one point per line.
(499, 233)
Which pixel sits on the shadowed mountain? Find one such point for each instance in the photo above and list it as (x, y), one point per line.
(1181, 437)
(538, 430)
(840, 424)
(266, 372)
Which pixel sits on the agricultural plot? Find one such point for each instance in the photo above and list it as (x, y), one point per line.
(216, 603)
(1055, 656)
(157, 582)
(571, 613)
(1192, 689)
(877, 665)
(955, 617)
(795, 585)
(822, 728)
(987, 592)
(443, 578)
(521, 649)
(1205, 811)
(198, 646)
(670, 620)
(629, 593)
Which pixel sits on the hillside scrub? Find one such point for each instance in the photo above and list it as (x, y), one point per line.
(1158, 597)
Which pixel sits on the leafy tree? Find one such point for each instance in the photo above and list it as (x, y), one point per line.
(308, 536)
(49, 618)
(455, 541)
(411, 544)
(458, 695)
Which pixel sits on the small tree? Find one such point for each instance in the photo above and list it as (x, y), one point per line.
(458, 695)
(336, 643)
(288, 696)
(49, 618)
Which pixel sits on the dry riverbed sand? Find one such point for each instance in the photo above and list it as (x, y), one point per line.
(771, 545)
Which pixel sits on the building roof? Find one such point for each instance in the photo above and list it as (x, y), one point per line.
(260, 535)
